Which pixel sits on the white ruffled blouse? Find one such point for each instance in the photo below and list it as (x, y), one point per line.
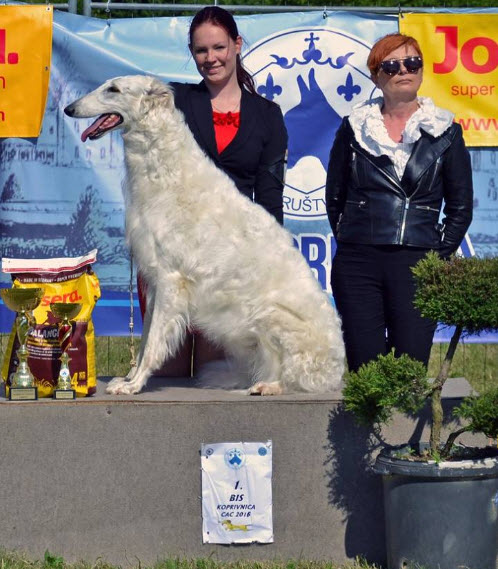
(370, 131)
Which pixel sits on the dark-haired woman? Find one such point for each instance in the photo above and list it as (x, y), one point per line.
(395, 162)
(243, 134)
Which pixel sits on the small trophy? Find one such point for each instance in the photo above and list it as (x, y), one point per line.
(22, 301)
(65, 311)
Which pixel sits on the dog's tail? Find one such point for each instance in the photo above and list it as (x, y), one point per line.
(312, 348)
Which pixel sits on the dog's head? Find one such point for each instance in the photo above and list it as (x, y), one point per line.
(119, 103)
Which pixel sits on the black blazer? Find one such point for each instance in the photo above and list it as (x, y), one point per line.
(255, 159)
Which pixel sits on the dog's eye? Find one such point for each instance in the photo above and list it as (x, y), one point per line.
(113, 89)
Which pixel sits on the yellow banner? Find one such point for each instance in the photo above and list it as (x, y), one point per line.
(460, 68)
(25, 52)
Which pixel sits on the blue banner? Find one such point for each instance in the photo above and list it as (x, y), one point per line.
(61, 197)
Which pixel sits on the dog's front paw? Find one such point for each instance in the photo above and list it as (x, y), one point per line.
(122, 386)
(262, 388)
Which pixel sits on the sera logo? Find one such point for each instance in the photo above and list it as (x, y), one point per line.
(316, 75)
(72, 296)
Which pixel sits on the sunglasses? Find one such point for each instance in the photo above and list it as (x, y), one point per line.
(392, 66)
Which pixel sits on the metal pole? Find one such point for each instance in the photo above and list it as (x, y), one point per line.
(87, 7)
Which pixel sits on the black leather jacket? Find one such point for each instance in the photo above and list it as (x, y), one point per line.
(367, 202)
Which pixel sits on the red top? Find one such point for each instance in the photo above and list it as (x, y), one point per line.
(226, 126)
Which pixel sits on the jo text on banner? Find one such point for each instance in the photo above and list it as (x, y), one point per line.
(460, 68)
(25, 51)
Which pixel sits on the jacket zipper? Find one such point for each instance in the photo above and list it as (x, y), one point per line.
(353, 166)
(434, 174)
(360, 203)
(403, 221)
(426, 207)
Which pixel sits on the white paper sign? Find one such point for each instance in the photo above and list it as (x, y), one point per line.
(236, 492)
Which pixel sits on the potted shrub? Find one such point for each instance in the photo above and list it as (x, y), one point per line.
(441, 498)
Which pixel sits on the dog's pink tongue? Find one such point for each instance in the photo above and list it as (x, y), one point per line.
(93, 127)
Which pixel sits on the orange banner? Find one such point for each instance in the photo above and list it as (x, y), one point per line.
(25, 52)
(460, 68)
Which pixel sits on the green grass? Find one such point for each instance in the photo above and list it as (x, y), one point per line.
(478, 363)
(14, 560)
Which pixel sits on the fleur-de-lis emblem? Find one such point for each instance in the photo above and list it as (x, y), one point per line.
(349, 89)
(269, 90)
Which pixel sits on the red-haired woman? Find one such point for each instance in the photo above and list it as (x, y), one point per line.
(395, 163)
(241, 132)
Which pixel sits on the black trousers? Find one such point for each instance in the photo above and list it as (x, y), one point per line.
(373, 289)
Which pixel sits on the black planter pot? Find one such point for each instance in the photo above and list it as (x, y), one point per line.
(440, 516)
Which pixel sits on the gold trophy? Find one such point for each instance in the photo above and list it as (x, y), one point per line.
(22, 301)
(65, 311)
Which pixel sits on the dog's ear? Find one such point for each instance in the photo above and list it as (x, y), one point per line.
(158, 94)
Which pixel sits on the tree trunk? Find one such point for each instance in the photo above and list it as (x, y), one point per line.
(437, 408)
(437, 419)
(451, 439)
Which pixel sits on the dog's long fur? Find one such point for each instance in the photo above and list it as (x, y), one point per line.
(211, 258)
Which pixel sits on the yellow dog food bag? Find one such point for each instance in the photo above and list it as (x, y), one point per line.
(62, 280)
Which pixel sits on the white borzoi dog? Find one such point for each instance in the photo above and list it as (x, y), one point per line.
(211, 258)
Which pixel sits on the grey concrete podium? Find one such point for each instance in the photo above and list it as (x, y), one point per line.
(118, 477)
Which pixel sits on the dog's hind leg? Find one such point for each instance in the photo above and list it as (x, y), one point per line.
(267, 366)
(164, 330)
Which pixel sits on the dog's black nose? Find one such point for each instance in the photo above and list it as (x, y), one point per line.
(69, 110)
